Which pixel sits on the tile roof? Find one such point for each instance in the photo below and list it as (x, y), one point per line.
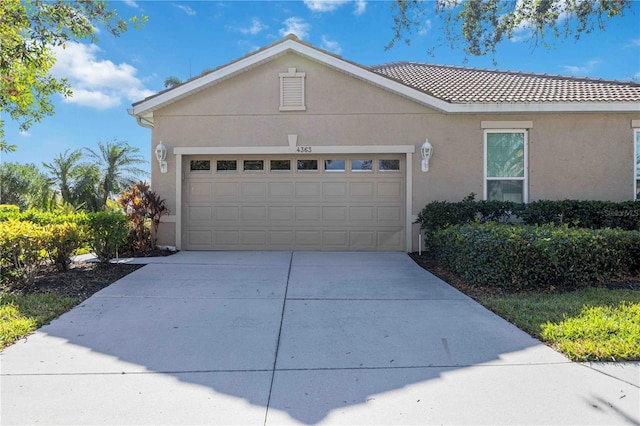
(459, 85)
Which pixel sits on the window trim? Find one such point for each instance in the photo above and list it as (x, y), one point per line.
(524, 178)
(636, 152)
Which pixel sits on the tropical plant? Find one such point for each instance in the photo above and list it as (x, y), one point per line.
(117, 162)
(140, 204)
(63, 168)
(171, 82)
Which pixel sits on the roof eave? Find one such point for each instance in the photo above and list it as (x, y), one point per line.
(510, 108)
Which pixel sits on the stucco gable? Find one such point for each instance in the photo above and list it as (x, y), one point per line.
(378, 76)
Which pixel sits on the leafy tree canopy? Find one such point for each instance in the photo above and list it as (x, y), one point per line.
(29, 29)
(479, 26)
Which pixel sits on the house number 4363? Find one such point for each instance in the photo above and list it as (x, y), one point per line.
(304, 149)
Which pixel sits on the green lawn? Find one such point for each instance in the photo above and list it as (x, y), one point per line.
(593, 324)
(21, 315)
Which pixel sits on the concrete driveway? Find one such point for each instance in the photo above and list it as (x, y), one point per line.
(305, 337)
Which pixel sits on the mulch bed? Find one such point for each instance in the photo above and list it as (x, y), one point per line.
(81, 280)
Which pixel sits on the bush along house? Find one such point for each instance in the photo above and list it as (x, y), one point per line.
(295, 148)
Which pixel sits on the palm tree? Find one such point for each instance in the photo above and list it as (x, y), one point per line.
(171, 82)
(117, 162)
(63, 169)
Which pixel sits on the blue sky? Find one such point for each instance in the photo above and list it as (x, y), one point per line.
(183, 39)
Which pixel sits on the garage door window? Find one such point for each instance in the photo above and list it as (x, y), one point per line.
(307, 165)
(389, 165)
(361, 165)
(199, 166)
(226, 165)
(334, 165)
(280, 165)
(253, 165)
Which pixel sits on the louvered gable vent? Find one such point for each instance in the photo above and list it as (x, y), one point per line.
(292, 91)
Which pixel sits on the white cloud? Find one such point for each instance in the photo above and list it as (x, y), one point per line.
(24, 133)
(585, 69)
(361, 7)
(296, 26)
(425, 27)
(95, 82)
(324, 5)
(255, 28)
(131, 3)
(633, 43)
(331, 46)
(185, 9)
(331, 5)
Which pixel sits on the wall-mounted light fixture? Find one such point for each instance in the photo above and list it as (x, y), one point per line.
(161, 156)
(427, 152)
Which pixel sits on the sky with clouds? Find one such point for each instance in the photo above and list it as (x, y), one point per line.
(183, 39)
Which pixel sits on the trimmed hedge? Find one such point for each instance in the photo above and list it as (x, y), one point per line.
(40, 217)
(573, 213)
(523, 256)
(582, 214)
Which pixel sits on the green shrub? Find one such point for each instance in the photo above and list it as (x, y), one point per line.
(583, 214)
(573, 213)
(22, 251)
(107, 232)
(42, 217)
(63, 240)
(531, 256)
(9, 211)
(52, 217)
(441, 214)
(9, 208)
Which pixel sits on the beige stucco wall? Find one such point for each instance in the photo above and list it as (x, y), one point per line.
(571, 155)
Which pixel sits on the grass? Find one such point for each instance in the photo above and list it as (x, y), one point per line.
(20, 315)
(593, 324)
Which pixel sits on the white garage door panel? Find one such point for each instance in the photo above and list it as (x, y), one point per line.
(294, 210)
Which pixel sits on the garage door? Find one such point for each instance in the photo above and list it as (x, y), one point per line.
(320, 202)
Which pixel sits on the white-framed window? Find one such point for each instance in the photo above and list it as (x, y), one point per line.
(636, 155)
(505, 165)
(292, 90)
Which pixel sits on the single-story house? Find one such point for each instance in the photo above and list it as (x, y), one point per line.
(294, 148)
